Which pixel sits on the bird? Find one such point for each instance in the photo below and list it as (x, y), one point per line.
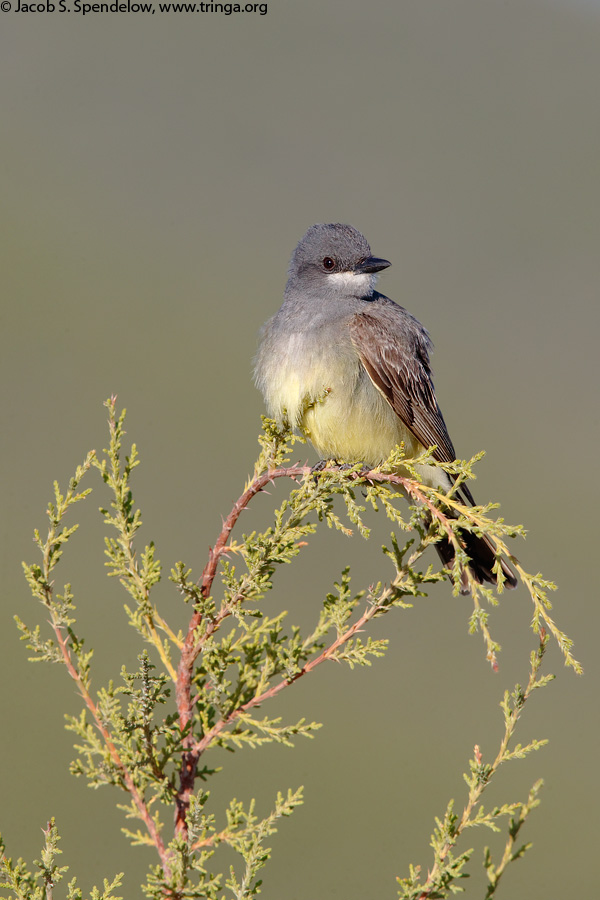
(350, 369)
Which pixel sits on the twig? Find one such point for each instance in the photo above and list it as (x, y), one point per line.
(106, 736)
(192, 645)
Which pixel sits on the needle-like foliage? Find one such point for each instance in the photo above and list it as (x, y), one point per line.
(151, 733)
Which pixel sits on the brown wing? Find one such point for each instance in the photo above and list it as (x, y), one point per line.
(394, 349)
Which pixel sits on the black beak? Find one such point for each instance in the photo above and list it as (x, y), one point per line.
(371, 264)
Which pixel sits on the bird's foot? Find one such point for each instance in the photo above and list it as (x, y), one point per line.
(322, 464)
(357, 470)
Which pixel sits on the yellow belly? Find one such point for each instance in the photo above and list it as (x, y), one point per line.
(354, 423)
(322, 389)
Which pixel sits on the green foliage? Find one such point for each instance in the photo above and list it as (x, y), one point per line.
(447, 868)
(25, 885)
(150, 735)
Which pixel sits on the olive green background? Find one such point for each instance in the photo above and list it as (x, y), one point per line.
(157, 172)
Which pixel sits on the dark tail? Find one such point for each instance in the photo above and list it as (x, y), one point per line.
(479, 549)
(482, 555)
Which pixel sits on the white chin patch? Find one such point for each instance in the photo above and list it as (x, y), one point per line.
(362, 283)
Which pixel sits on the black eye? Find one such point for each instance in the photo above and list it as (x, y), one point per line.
(328, 263)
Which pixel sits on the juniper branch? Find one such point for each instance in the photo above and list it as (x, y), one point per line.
(215, 707)
(42, 586)
(121, 551)
(446, 867)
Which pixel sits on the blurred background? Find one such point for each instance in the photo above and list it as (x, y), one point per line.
(157, 173)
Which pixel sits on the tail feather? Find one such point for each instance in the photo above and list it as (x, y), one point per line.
(482, 556)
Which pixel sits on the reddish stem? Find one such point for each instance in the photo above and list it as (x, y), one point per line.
(193, 644)
(114, 753)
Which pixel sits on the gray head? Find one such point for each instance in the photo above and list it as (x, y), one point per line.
(333, 259)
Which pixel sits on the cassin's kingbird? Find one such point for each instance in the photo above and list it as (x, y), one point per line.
(350, 369)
